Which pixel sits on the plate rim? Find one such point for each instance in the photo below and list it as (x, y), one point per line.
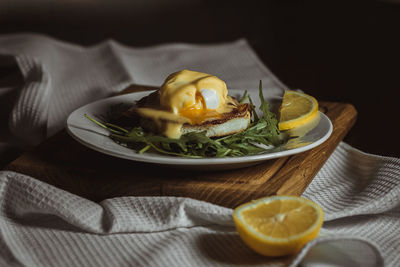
(172, 160)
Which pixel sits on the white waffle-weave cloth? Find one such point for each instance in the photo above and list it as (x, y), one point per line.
(41, 225)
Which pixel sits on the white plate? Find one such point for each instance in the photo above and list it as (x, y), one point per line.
(95, 137)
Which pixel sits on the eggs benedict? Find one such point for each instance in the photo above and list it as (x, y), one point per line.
(190, 101)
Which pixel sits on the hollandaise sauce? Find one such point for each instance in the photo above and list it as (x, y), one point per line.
(188, 97)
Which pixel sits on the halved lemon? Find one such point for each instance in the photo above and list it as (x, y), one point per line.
(278, 225)
(297, 109)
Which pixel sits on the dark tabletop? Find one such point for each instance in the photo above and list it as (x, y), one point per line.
(343, 51)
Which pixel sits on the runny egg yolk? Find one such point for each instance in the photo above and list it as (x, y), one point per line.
(201, 110)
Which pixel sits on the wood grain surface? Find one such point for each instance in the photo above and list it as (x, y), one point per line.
(66, 164)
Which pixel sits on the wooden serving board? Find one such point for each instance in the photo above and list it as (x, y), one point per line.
(64, 163)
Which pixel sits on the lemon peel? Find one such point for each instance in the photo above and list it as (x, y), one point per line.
(296, 109)
(278, 225)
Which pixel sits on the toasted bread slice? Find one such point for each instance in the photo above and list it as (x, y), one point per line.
(233, 122)
(229, 127)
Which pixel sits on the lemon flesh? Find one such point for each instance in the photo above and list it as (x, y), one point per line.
(297, 109)
(279, 225)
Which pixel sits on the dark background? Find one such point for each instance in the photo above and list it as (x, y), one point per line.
(345, 51)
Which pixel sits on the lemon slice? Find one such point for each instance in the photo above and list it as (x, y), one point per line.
(297, 109)
(278, 225)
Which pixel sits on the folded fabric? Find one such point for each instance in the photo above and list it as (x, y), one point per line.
(60, 77)
(42, 225)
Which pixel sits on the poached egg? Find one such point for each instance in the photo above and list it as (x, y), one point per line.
(187, 97)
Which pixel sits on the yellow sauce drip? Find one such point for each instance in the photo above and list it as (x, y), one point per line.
(181, 101)
(182, 89)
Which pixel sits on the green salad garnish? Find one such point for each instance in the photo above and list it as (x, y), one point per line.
(263, 130)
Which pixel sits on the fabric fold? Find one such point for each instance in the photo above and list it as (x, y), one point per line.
(53, 217)
(60, 77)
(188, 229)
(23, 198)
(41, 225)
(28, 118)
(364, 184)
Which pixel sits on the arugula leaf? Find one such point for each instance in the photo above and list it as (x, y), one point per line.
(262, 130)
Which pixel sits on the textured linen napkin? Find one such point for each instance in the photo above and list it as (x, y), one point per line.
(61, 77)
(41, 225)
